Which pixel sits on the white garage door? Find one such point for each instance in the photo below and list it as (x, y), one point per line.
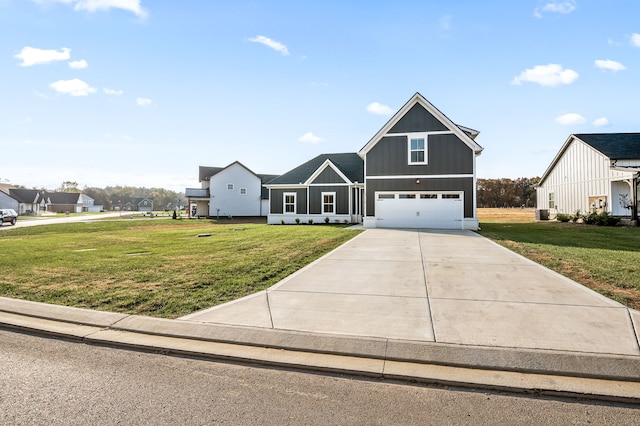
(442, 210)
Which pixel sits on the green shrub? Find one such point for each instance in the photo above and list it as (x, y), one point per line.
(563, 217)
(297, 221)
(591, 218)
(602, 219)
(310, 221)
(326, 219)
(577, 216)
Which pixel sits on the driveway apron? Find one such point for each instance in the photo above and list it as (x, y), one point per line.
(451, 287)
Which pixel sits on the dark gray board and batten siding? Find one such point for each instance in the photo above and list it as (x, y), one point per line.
(447, 155)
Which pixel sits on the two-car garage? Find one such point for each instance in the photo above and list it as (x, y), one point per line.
(440, 210)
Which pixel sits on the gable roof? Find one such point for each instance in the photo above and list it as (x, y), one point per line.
(64, 197)
(206, 173)
(466, 134)
(25, 195)
(614, 146)
(350, 164)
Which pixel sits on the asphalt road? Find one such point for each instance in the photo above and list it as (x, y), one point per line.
(52, 382)
(52, 219)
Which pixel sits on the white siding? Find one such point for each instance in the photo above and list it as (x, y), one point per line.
(581, 172)
(230, 201)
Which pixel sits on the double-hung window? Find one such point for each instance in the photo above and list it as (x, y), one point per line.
(328, 202)
(417, 150)
(289, 199)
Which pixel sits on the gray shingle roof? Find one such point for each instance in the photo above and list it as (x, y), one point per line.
(64, 197)
(350, 164)
(205, 172)
(616, 146)
(25, 195)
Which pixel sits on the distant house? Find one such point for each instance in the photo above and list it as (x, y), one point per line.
(594, 172)
(30, 201)
(70, 202)
(133, 204)
(229, 191)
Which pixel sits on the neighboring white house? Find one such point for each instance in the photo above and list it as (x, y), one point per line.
(595, 172)
(228, 191)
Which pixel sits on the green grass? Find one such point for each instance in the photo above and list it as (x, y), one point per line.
(606, 259)
(156, 267)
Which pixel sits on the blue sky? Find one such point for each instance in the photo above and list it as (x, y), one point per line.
(141, 93)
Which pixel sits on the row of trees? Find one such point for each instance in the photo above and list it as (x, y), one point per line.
(502, 192)
(505, 192)
(163, 199)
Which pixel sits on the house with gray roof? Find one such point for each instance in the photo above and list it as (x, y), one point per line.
(328, 187)
(69, 202)
(417, 171)
(231, 191)
(593, 172)
(30, 201)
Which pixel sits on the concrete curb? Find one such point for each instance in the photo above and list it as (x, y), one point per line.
(585, 375)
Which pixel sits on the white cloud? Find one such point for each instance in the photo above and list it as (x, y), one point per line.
(378, 108)
(571, 118)
(112, 91)
(310, 138)
(78, 65)
(143, 102)
(275, 45)
(546, 75)
(33, 56)
(95, 5)
(556, 7)
(75, 87)
(608, 64)
(601, 122)
(635, 39)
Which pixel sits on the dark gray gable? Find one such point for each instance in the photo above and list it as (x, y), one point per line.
(418, 119)
(328, 175)
(616, 146)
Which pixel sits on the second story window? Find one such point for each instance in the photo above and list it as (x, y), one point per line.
(417, 151)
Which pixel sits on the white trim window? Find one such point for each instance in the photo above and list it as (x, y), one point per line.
(328, 202)
(417, 149)
(289, 203)
(243, 191)
(229, 187)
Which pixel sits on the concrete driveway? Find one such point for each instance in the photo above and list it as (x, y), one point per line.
(451, 287)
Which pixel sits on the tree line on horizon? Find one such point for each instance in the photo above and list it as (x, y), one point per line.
(491, 193)
(110, 196)
(505, 192)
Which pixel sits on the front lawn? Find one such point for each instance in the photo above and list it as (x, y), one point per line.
(606, 259)
(158, 267)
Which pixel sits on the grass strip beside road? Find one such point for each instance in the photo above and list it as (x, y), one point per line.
(157, 267)
(605, 259)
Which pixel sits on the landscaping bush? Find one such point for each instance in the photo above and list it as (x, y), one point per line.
(563, 217)
(602, 219)
(577, 216)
